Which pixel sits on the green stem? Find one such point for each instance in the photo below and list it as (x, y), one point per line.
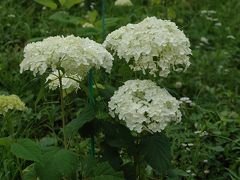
(62, 108)
(137, 161)
(10, 127)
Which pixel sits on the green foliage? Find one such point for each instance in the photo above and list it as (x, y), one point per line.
(4, 141)
(56, 163)
(156, 151)
(85, 116)
(69, 3)
(64, 3)
(26, 149)
(99, 171)
(65, 18)
(48, 3)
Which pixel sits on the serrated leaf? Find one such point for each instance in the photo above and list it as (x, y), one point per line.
(85, 116)
(56, 164)
(156, 151)
(48, 3)
(66, 18)
(27, 149)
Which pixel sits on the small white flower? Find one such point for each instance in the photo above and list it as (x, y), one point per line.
(11, 15)
(204, 40)
(218, 24)
(188, 171)
(186, 100)
(87, 25)
(143, 105)
(206, 171)
(205, 161)
(178, 84)
(123, 3)
(153, 45)
(184, 145)
(230, 37)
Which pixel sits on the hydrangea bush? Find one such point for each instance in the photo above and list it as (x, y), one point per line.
(140, 109)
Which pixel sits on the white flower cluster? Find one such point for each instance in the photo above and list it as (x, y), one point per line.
(123, 3)
(152, 45)
(11, 102)
(144, 106)
(74, 54)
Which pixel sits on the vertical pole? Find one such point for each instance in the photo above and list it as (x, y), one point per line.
(91, 102)
(103, 19)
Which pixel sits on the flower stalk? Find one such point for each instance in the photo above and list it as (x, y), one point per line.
(62, 108)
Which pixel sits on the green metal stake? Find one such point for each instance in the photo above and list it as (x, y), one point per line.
(103, 20)
(90, 77)
(91, 102)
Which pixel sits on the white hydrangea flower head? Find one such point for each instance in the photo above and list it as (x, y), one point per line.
(68, 82)
(11, 102)
(123, 3)
(74, 54)
(144, 106)
(153, 45)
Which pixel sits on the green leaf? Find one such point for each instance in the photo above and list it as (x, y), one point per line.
(171, 13)
(56, 164)
(62, 2)
(27, 149)
(48, 3)
(85, 116)
(48, 141)
(103, 171)
(217, 148)
(69, 3)
(118, 135)
(4, 141)
(180, 172)
(111, 154)
(156, 151)
(92, 16)
(66, 18)
(98, 171)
